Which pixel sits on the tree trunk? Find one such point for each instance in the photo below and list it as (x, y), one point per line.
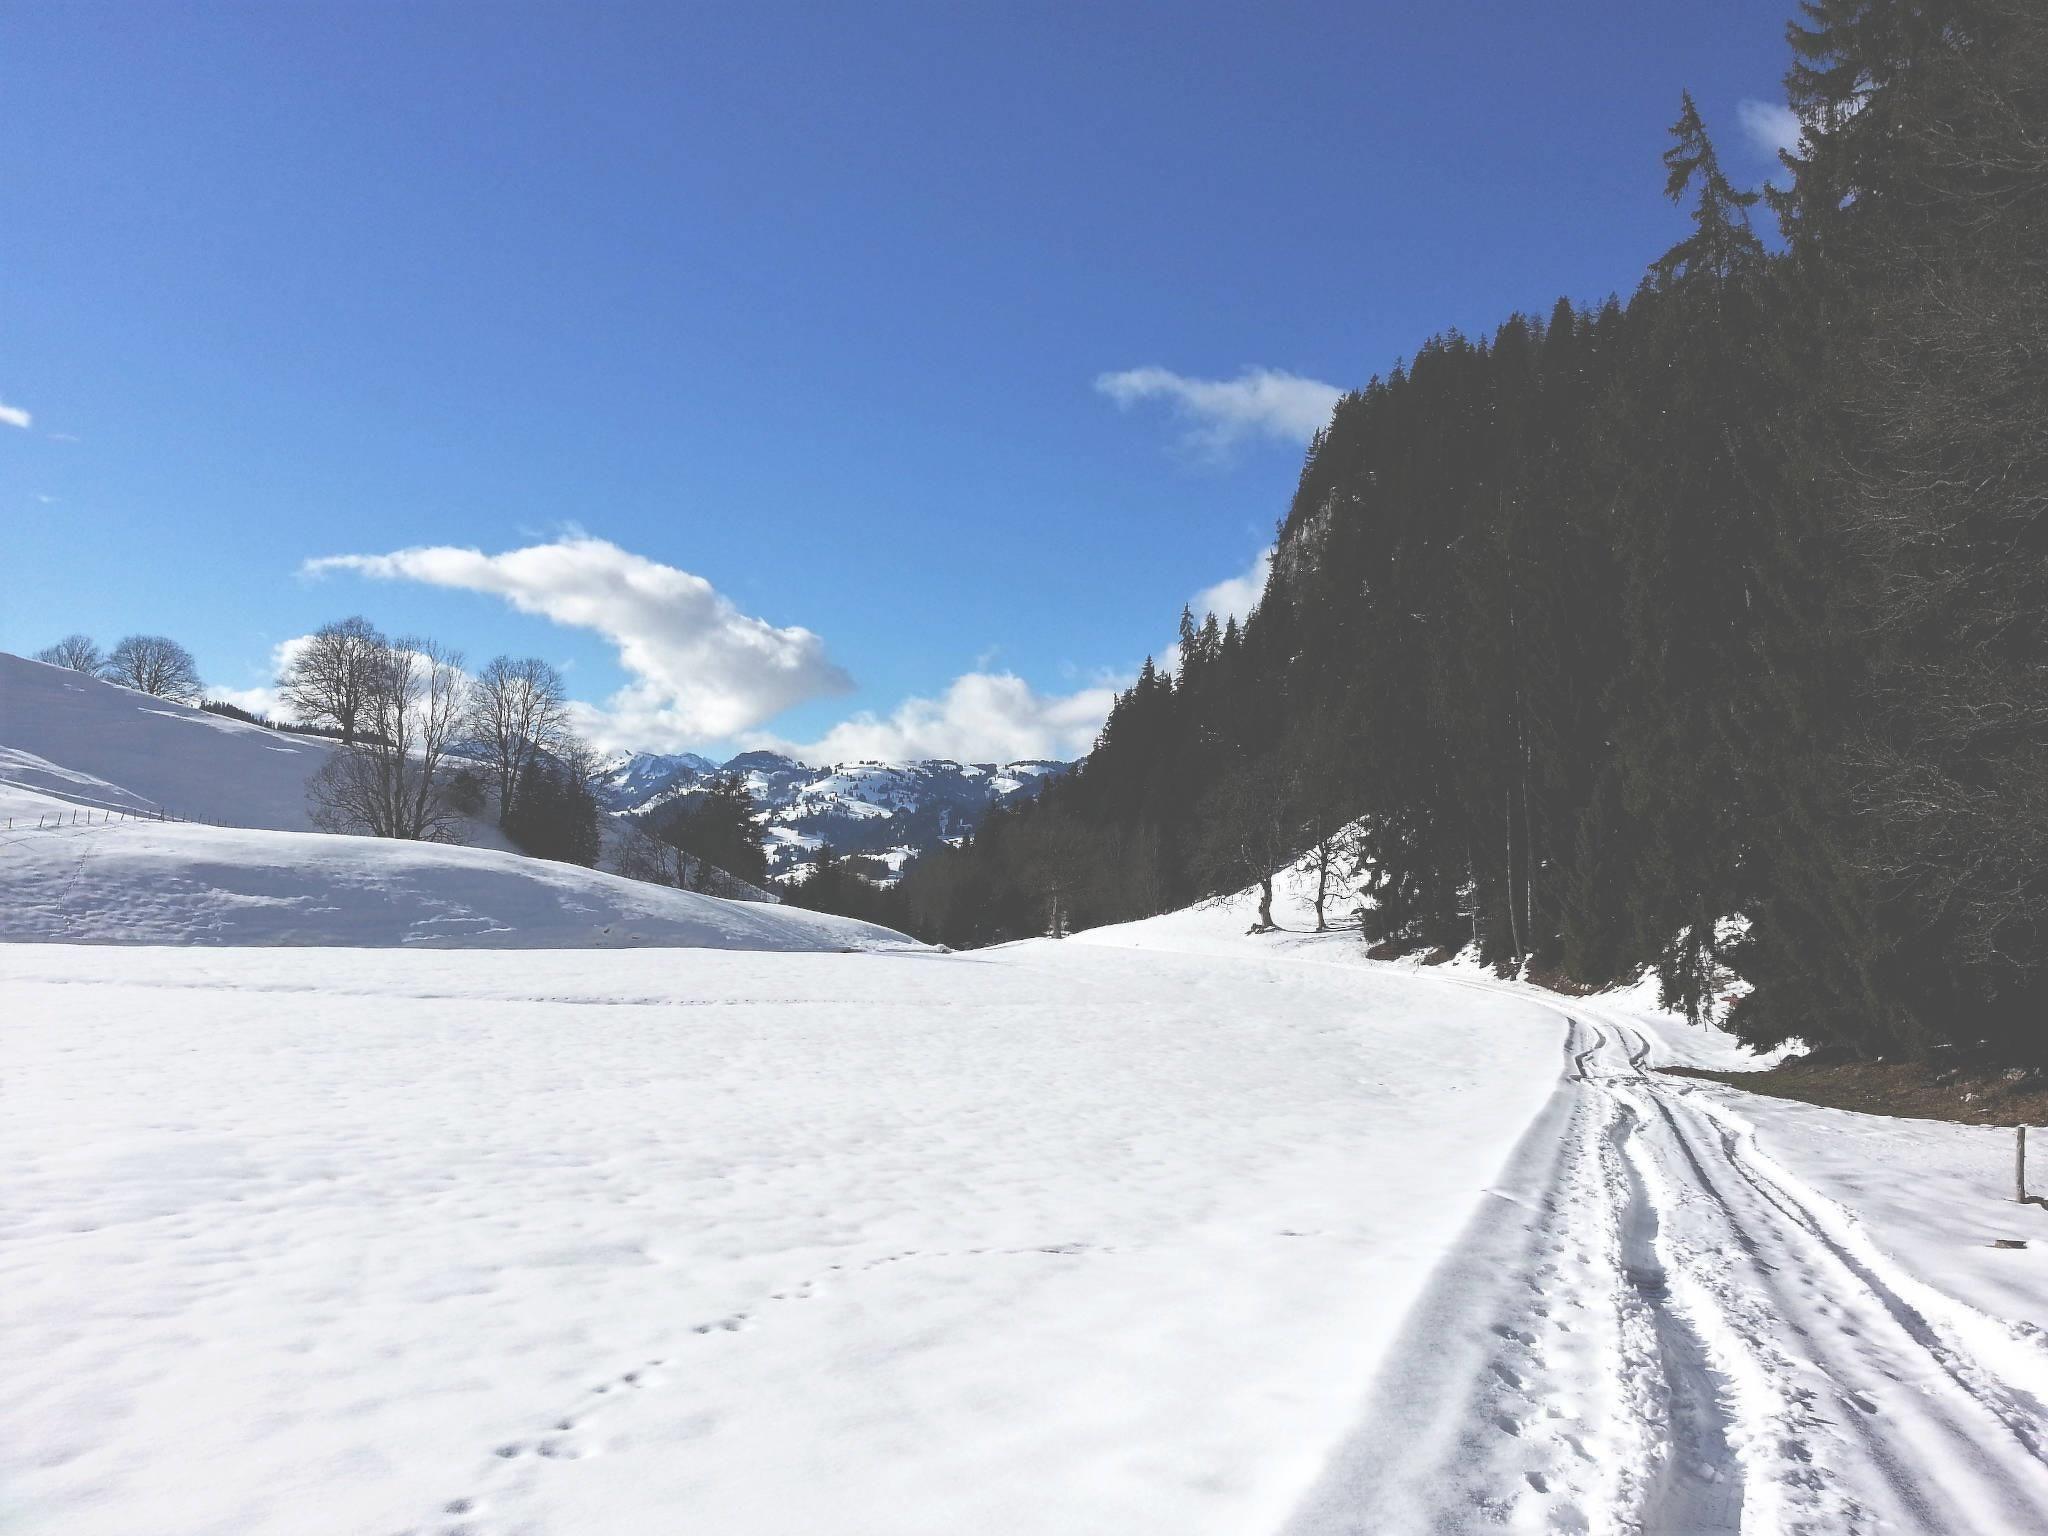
(1514, 915)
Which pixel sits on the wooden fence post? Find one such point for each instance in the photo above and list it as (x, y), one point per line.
(2019, 1167)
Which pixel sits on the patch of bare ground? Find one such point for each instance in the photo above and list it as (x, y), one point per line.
(1917, 1090)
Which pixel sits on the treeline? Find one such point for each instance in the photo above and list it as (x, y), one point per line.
(1706, 631)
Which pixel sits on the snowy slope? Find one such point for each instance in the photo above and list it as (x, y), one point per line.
(79, 748)
(99, 744)
(153, 883)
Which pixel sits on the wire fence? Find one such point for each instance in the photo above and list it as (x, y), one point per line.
(50, 821)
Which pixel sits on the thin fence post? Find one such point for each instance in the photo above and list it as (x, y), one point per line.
(2019, 1167)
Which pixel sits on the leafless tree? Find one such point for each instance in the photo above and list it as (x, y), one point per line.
(156, 665)
(1249, 830)
(328, 679)
(78, 652)
(518, 711)
(1319, 782)
(643, 856)
(641, 853)
(395, 780)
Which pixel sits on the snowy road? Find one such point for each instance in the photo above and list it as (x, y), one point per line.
(1164, 1231)
(1653, 1327)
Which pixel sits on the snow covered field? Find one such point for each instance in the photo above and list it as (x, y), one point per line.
(1048, 1240)
(384, 1195)
(1166, 1231)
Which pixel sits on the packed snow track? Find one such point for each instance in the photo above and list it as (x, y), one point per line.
(1653, 1328)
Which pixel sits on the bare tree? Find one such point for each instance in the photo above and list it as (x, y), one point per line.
(155, 664)
(328, 678)
(1248, 831)
(1322, 752)
(518, 711)
(78, 652)
(642, 854)
(394, 781)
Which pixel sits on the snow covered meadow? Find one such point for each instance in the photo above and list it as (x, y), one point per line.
(1052, 1240)
(359, 1187)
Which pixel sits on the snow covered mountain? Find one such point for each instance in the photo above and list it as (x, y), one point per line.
(893, 811)
(627, 778)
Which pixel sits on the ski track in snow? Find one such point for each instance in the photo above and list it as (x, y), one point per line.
(1757, 1366)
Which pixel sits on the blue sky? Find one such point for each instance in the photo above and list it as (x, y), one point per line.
(874, 379)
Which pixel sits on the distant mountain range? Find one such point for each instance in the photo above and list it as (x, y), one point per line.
(892, 811)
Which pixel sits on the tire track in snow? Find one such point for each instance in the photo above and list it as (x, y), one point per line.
(1579, 1061)
(1522, 1388)
(1884, 1391)
(1698, 1488)
(1892, 1393)
(1805, 1391)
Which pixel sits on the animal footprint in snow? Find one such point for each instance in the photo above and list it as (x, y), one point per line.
(731, 1324)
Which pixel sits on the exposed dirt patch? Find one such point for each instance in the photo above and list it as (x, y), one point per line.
(1911, 1089)
(1558, 981)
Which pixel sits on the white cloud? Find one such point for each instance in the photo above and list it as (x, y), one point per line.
(983, 717)
(14, 416)
(258, 701)
(997, 717)
(1238, 595)
(701, 669)
(1769, 125)
(1265, 402)
(263, 698)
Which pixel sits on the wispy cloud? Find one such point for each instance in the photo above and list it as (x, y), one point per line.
(1259, 402)
(982, 717)
(14, 416)
(700, 668)
(1770, 126)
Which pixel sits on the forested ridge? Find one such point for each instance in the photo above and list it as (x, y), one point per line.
(1707, 630)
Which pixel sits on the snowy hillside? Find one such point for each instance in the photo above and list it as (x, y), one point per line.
(891, 810)
(155, 883)
(93, 743)
(81, 748)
